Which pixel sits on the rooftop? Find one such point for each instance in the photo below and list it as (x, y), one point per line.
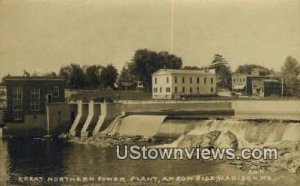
(182, 71)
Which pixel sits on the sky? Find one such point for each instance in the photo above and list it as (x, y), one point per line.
(43, 35)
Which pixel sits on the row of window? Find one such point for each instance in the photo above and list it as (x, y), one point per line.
(34, 101)
(168, 89)
(183, 80)
(239, 80)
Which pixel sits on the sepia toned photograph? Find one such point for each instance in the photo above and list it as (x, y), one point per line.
(149, 92)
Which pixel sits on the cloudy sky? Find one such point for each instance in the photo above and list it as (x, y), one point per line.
(42, 35)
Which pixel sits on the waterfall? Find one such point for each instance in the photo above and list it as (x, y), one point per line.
(247, 133)
(137, 125)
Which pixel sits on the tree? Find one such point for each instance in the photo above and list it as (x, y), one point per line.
(50, 74)
(146, 62)
(3, 79)
(26, 73)
(108, 76)
(291, 71)
(74, 75)
(126, 81)
(222, 70)
(93, 76)
(248, 68)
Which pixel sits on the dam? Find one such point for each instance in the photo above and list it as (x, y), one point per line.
(175, 118)
(147, 118)
(185, 124)
(103, 118)
(252, 124)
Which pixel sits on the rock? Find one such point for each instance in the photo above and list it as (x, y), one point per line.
(203, 140)
(226, 140)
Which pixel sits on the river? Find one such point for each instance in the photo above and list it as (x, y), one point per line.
(21, 159)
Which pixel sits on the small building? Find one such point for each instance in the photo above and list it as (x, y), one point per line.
(28, 95)
(255, 84)
(175, 84)
(239, 82)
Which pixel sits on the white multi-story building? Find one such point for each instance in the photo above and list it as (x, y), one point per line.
(173, 84)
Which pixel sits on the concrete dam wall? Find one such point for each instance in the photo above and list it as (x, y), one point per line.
(129, 118)
(167, 118)
(275, 109)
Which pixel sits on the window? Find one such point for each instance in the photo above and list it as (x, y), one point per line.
(155, 89)
(244, 79)
(155, 80)
(198, 89)
(205, 80)
(160, 89)
(18, 117)
(191, 80)
(167, 79)
(175, 90)
(175, 79)
(56, 92)
(182, 79)
(35, 99)
(212, 80)
(168, 89)
(191, 89)
(198, 80)
(234, 80)
(17, 102)
(183, 89)
(212, 90)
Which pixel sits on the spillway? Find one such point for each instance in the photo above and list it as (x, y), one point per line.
(242, 132)
(136, 125)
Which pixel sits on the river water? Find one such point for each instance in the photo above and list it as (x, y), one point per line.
(21, 159)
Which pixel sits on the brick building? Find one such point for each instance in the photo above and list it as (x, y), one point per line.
(28, 96)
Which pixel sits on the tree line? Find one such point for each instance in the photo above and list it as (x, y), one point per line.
(145, 62)
(89, 77)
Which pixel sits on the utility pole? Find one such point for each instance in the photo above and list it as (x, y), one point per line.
(282, 85)
(172, 25)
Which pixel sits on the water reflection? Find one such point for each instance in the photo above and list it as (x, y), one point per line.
(27, 157)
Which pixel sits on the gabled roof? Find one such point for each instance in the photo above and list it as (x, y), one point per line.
(181, 71)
